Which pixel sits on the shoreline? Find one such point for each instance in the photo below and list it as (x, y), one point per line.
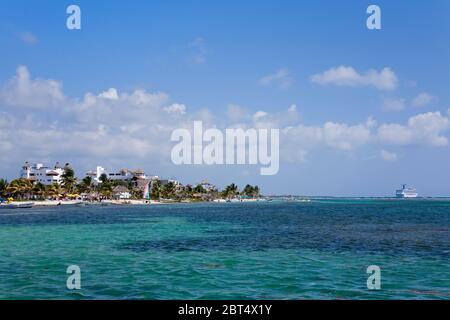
(146, 202)
(55, 203)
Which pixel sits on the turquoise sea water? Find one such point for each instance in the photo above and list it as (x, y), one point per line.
(273, 250)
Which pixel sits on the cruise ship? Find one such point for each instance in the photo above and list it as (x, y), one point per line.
(405, 192)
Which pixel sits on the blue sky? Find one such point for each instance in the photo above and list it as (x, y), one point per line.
(212, 57)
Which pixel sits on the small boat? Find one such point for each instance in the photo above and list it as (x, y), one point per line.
(25, 205)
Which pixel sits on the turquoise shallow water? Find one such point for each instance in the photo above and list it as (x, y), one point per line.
(274, 250)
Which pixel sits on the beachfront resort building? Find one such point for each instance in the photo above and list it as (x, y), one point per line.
(207, 186)
(37, 172)
(136, 178)
(121, 175)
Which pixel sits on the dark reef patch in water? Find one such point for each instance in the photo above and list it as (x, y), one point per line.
(405, 228)
(389, 242)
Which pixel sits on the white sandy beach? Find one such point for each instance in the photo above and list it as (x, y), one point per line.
(52, 203)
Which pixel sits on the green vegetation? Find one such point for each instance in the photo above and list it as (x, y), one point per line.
(71, 188)
(155, 190)
(168, 191)
(106, 187)
(86, 185)
(20, 189)
(3, 187)
(230, 191)
(251, 191)
(199, 189)
(69, 182)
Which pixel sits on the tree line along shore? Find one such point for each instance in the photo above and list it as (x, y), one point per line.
(86, 189)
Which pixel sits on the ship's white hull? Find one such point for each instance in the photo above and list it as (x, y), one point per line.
(407, 195)
(406, 192)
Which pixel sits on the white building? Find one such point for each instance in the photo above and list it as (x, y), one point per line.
(121, 193)
(39, 173)
(121, 175)
(207, 186)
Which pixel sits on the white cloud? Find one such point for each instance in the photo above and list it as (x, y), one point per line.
(282, 78)
(300, 139)
(425, 129)
(259, 114)
(388, 156)
(393, 104)
(281, 119)
(135, 127)
(345, 137)
(22, 91)
(421, 100)
(118, 109)
(429, 126)
(28, 37)
(176, 108)
(395, 134)
(348, 76)
(111, 94)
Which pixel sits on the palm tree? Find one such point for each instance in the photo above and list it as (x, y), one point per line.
(130, 184)
(106, 190)
(39, 190)
(248, 190)
(199, 189)
(230, 191)
(257, 192)
(103, 178)
(68, 180)
(20, 188)
(184, 192)
(86, 185)
(105, 187)
(168, 190)
(156, 190)
(3, 187)
(54, 190)
(14, 188)
(251, 191)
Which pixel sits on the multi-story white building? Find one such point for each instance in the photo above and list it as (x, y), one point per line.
(39, 173)
(121, 175)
